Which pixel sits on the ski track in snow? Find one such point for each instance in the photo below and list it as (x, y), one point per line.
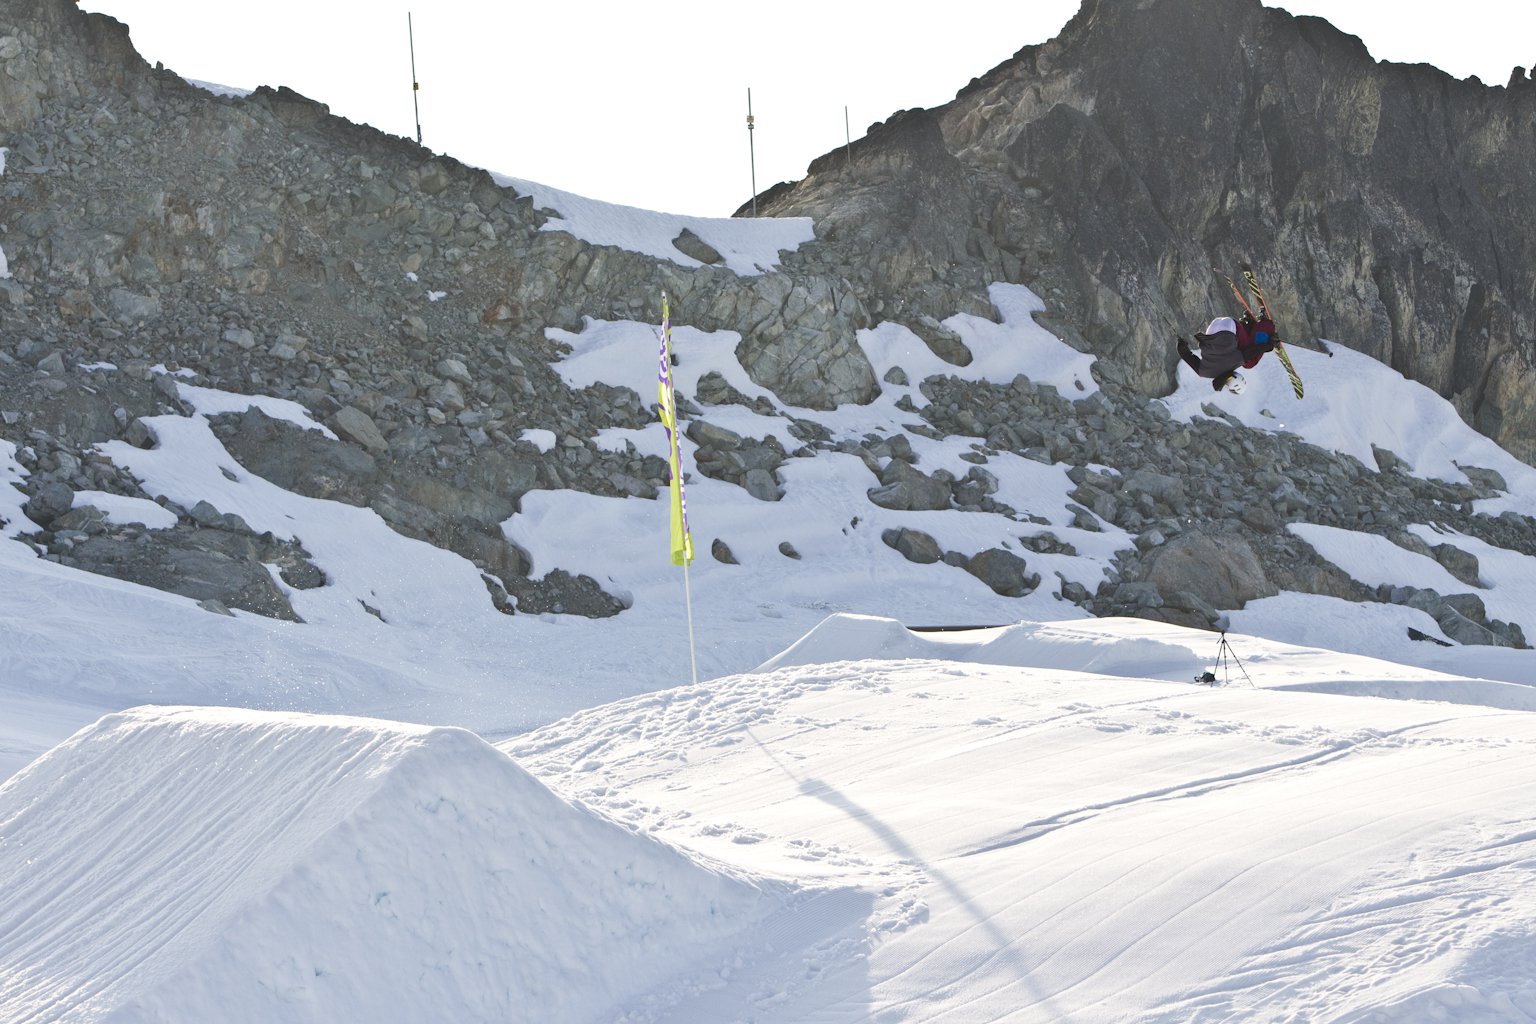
(1089, 903)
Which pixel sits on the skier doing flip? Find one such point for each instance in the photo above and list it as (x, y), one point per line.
(1226, 345)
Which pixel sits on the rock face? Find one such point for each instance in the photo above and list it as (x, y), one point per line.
(275, 250)
(1388, 207)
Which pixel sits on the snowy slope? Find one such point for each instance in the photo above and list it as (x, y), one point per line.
(748, 247)
(441, 655)
(192, 865)
(1050, 845)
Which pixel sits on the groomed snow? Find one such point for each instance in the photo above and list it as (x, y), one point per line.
(244, 866)
(1049, 845)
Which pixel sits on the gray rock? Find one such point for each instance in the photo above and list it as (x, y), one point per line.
(905, 488)
(760, 483)
(52, 500)
(561, 593)
(1469, 606)
(788, 550)
(1136, 594)
(455, 370)
(691, 245)
(240, 337)
(1461, 564)
(707, 435)
(944, 343)
(1003, 571)
(204, 514)
(914, 545)
(1222, 569)
(1464, 631)
(132, 307)
(352, 424)
(1488, 479)
(721, 552)
(203, 565)
(1169, 490)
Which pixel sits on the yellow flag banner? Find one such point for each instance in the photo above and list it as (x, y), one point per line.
(682, 541)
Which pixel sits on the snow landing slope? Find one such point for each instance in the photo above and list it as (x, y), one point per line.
(1051, 845)
(196, 865)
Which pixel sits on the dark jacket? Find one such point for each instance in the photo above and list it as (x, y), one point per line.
(1233, 344)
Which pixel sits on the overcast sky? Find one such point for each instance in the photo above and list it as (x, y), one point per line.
(645, 104)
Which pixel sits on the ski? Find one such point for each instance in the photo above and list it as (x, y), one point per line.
(1285, 358)
(1258, 294)
(1241, 298)
(1290, 371)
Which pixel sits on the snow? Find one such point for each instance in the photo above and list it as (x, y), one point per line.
(122, 510)
(219, 90)
(844, 820)
(1375, 560)
(748, 246)
(212, 402)
(540, 438)
(1354, 404)
(277, 866)
(1054, 845)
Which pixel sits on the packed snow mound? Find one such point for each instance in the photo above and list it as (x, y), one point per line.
(1142, 649)
(181, 864)
(1052, 845)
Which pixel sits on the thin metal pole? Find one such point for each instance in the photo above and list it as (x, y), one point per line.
(752, 152)
(415, 85)
(847, 138)
(693, 660)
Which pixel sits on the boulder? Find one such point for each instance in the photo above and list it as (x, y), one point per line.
(905, 488)
(914, 545)
(1003, 571)
(355, 425)
(1220, 569)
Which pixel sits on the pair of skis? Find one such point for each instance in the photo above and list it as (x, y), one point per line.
(1258, 294)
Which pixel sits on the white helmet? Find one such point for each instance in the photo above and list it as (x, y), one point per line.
(1235, 384)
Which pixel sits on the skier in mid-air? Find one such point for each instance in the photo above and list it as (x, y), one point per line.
(1228, 344)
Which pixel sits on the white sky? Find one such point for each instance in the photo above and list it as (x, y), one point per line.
(645, 104)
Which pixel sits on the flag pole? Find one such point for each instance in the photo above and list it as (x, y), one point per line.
(693, 658)
(415, 85)
(681, 544)
(752, 152)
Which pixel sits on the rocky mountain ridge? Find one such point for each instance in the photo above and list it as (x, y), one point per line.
(269, 248)
(1389, 206)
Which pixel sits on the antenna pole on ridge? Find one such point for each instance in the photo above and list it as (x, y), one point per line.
(415, 85)
(847, 138)
(752, 151)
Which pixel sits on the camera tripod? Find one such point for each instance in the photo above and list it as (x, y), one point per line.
(1225, 659)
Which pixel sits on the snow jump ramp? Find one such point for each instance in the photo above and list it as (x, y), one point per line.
(197, 864)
